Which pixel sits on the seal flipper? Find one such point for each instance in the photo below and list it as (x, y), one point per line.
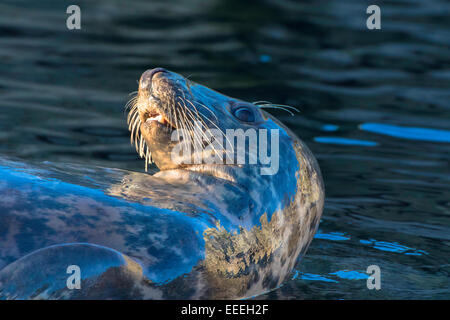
(51, 273)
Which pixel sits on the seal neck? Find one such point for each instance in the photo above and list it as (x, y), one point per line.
(221, 172)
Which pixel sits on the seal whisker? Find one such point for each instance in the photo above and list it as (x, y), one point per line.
(136, 127)
(261, 102)
(204, 139)
(141, 146)
(199, 134)
(130, 105)
(267, 104)
(189, 125)
(208, 109)
(148, 158)
(177, 123)
(193, 118)
(217, 127)
(281, 105)
(132, 117)
(184, 108)
(132, 127)
(132, 98)
(185, 125)
(134, 123)
(201, 116)
(193, 105)
(271, 107)
(171, 120)
(184, 99)
(130, 102)
(196, 110)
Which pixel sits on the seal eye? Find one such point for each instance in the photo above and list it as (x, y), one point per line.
(244, 114)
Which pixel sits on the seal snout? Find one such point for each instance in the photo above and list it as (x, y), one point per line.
(147, 76)
(151, 108)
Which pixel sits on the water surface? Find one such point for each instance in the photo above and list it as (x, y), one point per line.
(374, 110)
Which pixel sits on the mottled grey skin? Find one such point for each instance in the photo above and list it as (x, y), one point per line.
(188, 232)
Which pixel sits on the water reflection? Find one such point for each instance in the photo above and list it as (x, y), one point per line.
(374, 110)
(413, 133)
(345, 141)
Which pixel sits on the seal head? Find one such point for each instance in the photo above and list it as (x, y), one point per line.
(168, 104)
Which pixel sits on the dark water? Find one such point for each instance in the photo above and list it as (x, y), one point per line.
(374, 110)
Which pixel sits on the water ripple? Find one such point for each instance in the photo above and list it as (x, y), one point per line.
(412, 133)
(345, 141)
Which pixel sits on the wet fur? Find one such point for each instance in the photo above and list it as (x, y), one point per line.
(194, 232)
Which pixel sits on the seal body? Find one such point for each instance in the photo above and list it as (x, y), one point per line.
(191, 231)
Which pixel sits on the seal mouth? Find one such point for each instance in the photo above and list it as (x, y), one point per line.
(155, 112)
(159, 118)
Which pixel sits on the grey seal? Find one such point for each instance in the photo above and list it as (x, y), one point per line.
(221, 230)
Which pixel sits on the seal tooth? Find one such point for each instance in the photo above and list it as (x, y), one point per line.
(158, 118)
